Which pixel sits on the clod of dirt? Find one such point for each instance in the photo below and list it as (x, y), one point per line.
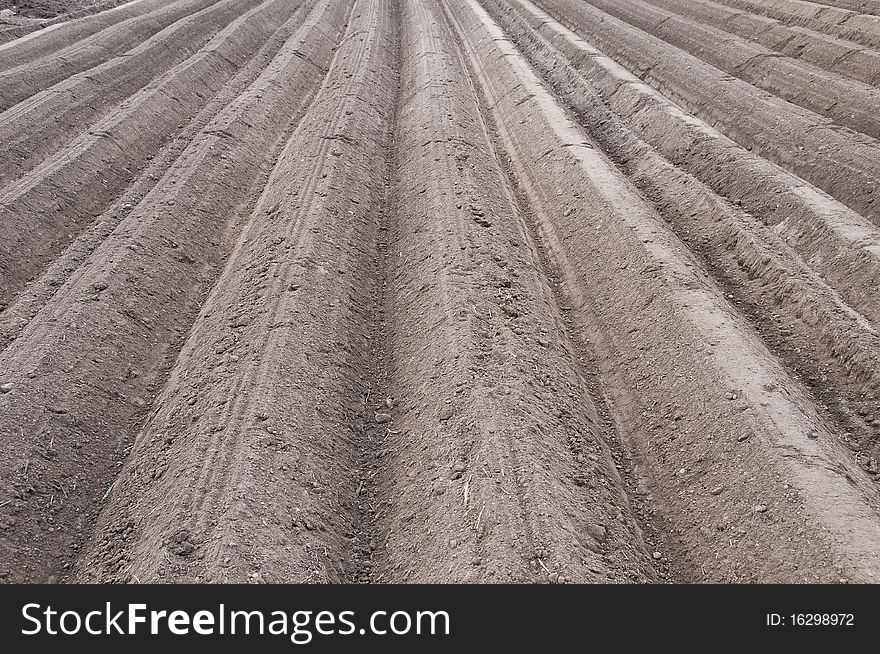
(180, 543)
(510, 311)
(598, 532)
(5, 388)
(446, 413)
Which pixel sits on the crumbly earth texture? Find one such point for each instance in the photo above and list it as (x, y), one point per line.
(364, 291)
(52, 8)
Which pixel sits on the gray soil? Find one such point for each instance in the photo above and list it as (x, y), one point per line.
(376, 291)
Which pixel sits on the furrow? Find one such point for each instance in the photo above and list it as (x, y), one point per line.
(807, 283)
(26, 80)
(257, 416)
(15, 318)
(841, 23)
(44, 123)
(60, 35)
(832, 54)
(88, 366)
(740, 459)
(863, 6)
(440, 291)
(846, 102)
(837, 160)
(495, 465)
(42, 212)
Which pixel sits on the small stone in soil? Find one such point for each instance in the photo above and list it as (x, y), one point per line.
(445, 413)
(5, 388)
(382, 418)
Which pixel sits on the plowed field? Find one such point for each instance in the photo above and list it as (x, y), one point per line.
(563, 291)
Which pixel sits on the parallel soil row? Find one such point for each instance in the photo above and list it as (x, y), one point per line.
(248, 471)
(749, 410)
(26, 79)
(501, 470)
(441, 291)
(832, 54)
(842, 163)
(37, 292)
(809, 268)
(840, 23)
(96, 353)
(865, 6)
(846, 102)
(51, 195)
(477, 461)
(23, 44)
